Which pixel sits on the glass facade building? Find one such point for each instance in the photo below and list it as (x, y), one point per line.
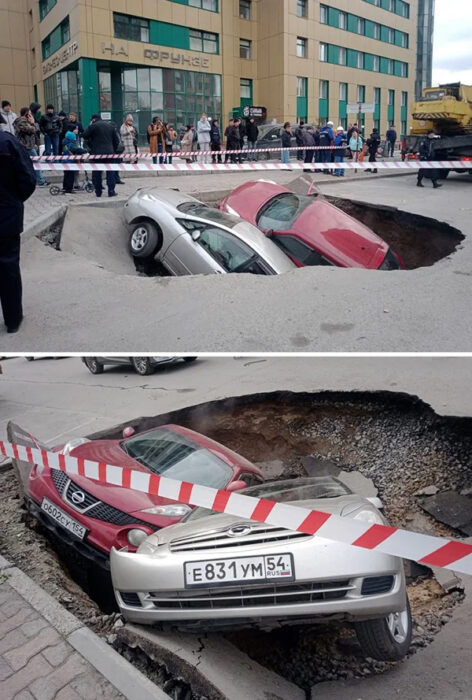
(424, 59)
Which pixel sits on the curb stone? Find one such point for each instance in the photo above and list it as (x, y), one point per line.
(104, 659)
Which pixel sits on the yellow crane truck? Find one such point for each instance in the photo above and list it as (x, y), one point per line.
(448, 110)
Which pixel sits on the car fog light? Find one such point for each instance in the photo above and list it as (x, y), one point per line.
(135, 537)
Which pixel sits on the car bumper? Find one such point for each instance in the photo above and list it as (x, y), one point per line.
(145, 594)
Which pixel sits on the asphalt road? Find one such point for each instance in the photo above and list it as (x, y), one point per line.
(72, 304)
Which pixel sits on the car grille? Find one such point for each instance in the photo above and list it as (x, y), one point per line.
(376, 585)
(238, 597)
(221, 538)
(92, 507)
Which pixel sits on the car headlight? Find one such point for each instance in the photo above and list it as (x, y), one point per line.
(368, 516)
(170, 511)
(136, 536)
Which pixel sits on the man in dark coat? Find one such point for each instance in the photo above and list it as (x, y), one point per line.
(252, 132)
(391, 137)
(426, 153)
(17, 183)
(51, 127)
(102, 139)
(373, 143)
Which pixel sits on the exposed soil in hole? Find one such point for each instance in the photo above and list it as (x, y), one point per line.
(396, 441)
(419, 240)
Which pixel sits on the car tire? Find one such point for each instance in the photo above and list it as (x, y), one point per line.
(143, 365)
(189, 359)
(387, 639)
(93, 365)
(144, 239)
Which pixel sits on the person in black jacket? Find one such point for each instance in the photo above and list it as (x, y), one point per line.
(215, 141)
(17, 183)
(286, 142)
(102, 139)
(373, 143)
(252, 132)
(50, 125)
(426, 153)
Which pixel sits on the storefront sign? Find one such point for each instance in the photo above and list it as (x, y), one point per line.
(179, 59)
(61, 57)
(256, 112)
(114, 50)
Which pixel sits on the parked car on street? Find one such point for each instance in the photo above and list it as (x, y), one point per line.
(189, 237)
(220, 571)
(310, 230)
(142, 365)
(92, 517)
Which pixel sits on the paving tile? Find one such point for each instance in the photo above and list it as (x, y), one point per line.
(12, 639)
(19, 657)
(35, 669)
(46, 688)
(57, 654)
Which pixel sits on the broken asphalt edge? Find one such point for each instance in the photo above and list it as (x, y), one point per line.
(120, 673)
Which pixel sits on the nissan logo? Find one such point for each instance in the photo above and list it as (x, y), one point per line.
(239, 530)
(78, 497)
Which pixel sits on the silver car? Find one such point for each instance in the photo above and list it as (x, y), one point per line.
(142, 365)
(189, 237)
(217, 571)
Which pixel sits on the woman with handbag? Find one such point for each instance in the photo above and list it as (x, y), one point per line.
(156, 137)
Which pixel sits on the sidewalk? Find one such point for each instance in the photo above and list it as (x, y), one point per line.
(47, 654)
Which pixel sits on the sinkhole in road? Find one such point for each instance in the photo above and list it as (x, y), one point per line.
(394, 440)
(98, 234)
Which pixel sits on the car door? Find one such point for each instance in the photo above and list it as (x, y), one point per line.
(185, 256)
(300, 252)
(230, 252)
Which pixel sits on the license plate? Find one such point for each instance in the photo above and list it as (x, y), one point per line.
(63, 519)
(225, 572)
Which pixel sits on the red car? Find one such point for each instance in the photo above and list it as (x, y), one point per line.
(93, 517)
(310, 230)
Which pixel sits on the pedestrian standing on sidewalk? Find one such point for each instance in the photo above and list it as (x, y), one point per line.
(232, 142)
(50, 125)
(102, 139)
(355, 145)
(26, 131)
(186, 142)
(426, 153)
(373, 143)
(252, 133)
(340, 143)
(17, 183)
(326, 140)
(203, 133)
(156, 138)
(226, 135)
(129, 138)
(391, 137)
(215, 141)
(308, 140)
(286, 143)
(171, 138)
(9, 118)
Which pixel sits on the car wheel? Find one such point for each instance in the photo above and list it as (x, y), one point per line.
(387, 639)
(144, 240)
(143, 365)
(94, 365)
(189, 359)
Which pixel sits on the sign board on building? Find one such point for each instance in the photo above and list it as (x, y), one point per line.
(106, 116)
(176, 59)
(256, 112)
(114, 49)
(364, 107)
(61, 57)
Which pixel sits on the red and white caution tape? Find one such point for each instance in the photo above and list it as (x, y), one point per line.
(426, 549)
(412, 165)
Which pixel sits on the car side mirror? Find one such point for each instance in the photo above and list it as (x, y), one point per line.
(236, 486)
(196, 234)
(128, 431)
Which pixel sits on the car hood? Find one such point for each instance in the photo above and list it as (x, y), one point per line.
(247, 199)
(340, 236)
(224, 521)
(110, 452)
(167, 197)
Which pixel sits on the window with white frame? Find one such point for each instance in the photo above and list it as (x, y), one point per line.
(342, 56)
(211, 5)
(244, 48)
(376, 30)
(377, 95)
(245, 9)
(376, 63)
(245, 87)
(390, 66)
(343, 92)
(360, 25)
(323, 14)
(404, 70)
(342, 20)
(360, 59)
(323, 52)
(203, 41)
(390, 36)
(324, 89)
(301, 47)
(361, 93)
(302, 86)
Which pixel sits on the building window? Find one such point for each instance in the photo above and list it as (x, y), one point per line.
(211, 5)
(404, 99)
(131, 28)
(57, 38)
(323, 14)
(245, 85)
(390, 66)
(302, 87)
(45, 7)
(377, 124)
(375, 63)
(244, 48)
(360, 59)
(377, 95)
(390, 36)
(391, 98)
(342, 56)
(391, 5)
(302, 8)
(342, 20)
(404, 70)
(361, 93)
(343, 92)
(323, 52)
(301, 47)
(203, 41)
(404, 40)
(376, 30)
(403, 128)
(360, 25)
(324, 89)
(245, 9)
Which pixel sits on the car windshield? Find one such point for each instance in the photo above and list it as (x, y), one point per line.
(281, 211)
(288, 491)
(175, 456)
(208, 213)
